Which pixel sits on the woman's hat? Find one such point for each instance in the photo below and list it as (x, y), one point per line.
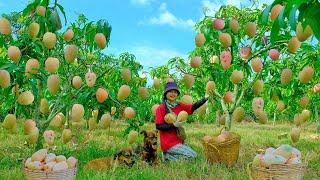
(171, 86)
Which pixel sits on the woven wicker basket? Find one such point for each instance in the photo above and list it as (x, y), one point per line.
(68, 174)
(225, 152)
(277, 172)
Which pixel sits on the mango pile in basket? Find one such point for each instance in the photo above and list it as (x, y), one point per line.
(284, 154)
(222, 137)
(49, 162)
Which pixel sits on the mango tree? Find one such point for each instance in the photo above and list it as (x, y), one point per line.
(57, 79)
(306, 13)
(234, 54)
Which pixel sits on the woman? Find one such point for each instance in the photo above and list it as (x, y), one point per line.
(171, 144)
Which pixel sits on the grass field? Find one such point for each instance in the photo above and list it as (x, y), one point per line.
(104, 143)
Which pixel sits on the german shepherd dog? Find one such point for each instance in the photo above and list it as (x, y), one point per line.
(148, 149)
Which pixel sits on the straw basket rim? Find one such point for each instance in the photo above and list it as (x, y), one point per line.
(235, 137)
(276, 169)
(226, 152)
(70, 171)
(24, 160)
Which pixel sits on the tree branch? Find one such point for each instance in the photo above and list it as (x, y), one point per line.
(235, 93)
(217, 94)
(265, 49)
(240, 97)
(185, 72)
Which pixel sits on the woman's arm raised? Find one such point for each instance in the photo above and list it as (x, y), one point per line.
(198, 104)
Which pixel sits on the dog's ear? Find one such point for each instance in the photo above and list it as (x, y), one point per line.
(117, 155)
(144, 132)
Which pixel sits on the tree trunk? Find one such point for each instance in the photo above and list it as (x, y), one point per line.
(274, 118)
(317, 118)
(39, 144)
(218, 118)
(228, 120)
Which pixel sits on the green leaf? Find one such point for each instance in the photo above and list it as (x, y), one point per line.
(310, 15)
(274, 32)
(44, 3)
(292, 17)
(29, 8)
(54, 20)
(280, 19)
(104, 27)
(63, 12)
(278, 2)
(265, 15)
(9, 67)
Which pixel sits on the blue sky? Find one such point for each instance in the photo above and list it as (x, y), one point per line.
(152, 30)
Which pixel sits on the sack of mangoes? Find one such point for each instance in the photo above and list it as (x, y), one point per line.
(283, 162)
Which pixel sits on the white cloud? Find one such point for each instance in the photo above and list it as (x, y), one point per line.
(151, 56)
(148, 56)
(167, 18)
(212, 6)
(112, 50)
(163, 7)
(234, 2)
(140, 2)
(261, 2)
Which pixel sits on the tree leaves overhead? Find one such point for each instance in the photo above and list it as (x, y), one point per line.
(63, 13)
(54, 20)
(269, 35)
(104, 27)
(304, 11)
(309, 15)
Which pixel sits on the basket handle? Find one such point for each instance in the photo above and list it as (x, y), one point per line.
(222, 129)
(215, 149)
(249, 171)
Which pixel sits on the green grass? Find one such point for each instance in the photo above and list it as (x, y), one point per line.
(104, 143)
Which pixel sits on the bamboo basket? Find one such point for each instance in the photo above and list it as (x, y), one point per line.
(276, 172)
(226, 152)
